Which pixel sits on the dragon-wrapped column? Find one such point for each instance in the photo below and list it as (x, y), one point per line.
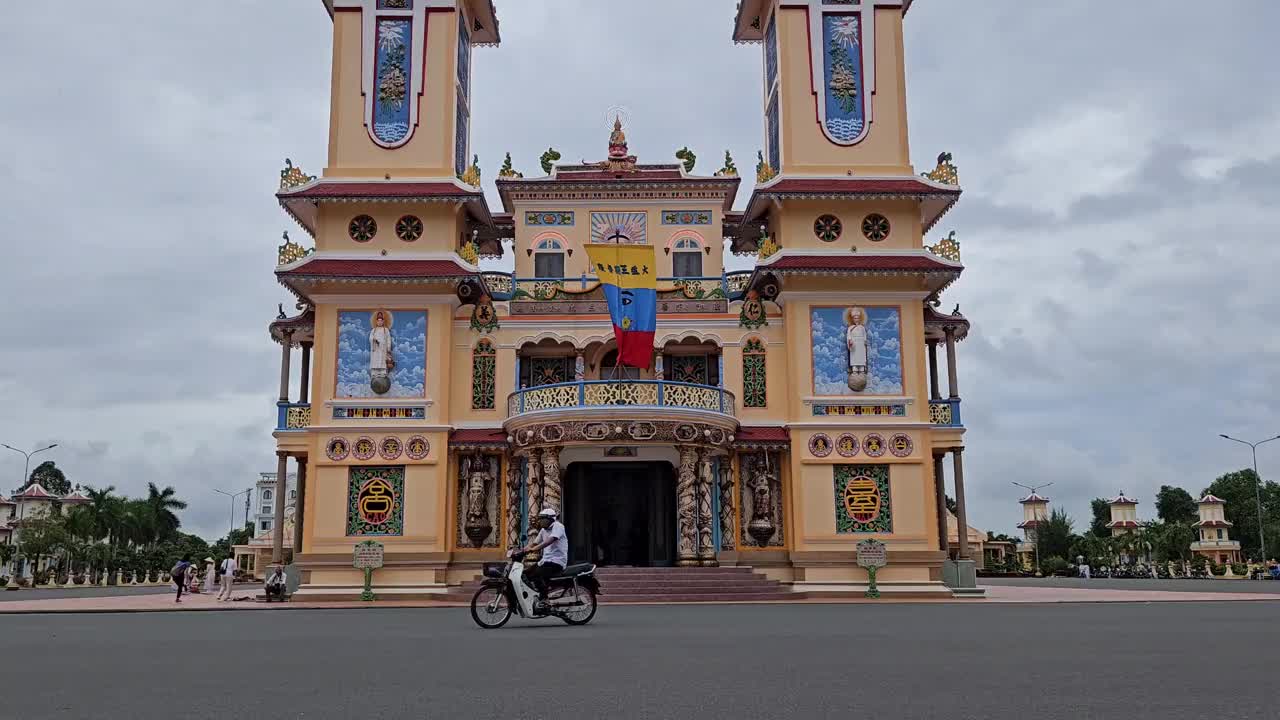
(687, 506)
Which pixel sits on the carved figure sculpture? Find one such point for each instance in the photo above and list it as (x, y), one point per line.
(551, 478)
(727, 529)
(706, 536)
(548, 160)
(855, 339)
(513, 503)
(476, 473)
(761, 527)
(687, 507)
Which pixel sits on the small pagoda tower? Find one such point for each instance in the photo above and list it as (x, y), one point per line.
(1035, 511)
(1124, 515)
(1214, 543)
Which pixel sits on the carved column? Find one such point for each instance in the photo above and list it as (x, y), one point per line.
(579, 368)
(513, 502)
(706, 533)
(962, 522)
(657, 366)
(285, 351)
(687, 506)
(535, 484)
(940, 499)
(953, 384)
(551, 478)
(304, 383)
(299, 504)
(728, 533)
(934, 393)
(282, 479)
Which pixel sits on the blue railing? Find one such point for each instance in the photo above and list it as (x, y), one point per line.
(945, 413)
(292, 417)
(505, 286)
(622, 393)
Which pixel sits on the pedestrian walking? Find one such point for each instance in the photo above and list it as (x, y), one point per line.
(210, 576)
(228, 572)
(179, 574)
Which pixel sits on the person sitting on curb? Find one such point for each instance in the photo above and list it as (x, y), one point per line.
(276, 584)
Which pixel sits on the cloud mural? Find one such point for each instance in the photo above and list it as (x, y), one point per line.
(408, 348)
(831, 354)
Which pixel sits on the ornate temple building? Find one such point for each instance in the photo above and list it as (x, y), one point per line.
(788, 410)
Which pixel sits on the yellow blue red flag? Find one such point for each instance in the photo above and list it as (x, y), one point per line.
(630, 281)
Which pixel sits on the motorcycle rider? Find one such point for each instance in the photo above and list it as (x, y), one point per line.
(554, 544)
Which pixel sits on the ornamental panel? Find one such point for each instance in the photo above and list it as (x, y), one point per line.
(548, 218)
(483, 373)
(862, 499)
(686, 217)
(753, 373)
(552, 396)
(375, 501)
(620, 393)
(691, 396)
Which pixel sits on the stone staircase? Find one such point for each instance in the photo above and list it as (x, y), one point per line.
(674, 584)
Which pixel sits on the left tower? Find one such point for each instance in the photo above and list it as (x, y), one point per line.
(395, 216)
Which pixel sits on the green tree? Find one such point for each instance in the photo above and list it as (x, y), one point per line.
(41, 537)
(1101, 516)
(1237, 490)
(1175, 505)
(50, 478)
(1056, 535)
(1098, 550)
(951, 504)
(1171, 540)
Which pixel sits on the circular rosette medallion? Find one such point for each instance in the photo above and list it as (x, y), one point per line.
(417, 447)
(362, 228)
(337, 449)
(873, 445)
(900, 445)
(390, 448)
(409, 228)
(847, 445)
(364, 448)
(875, 227)
(820, 445)
(828, 228)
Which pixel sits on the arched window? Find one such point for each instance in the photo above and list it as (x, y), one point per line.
(611, 370)
(753, 373)
(483, 366)
(266, 496)
(686, 258)
(548, 258)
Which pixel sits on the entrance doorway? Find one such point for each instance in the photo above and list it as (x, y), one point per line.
(621, 513)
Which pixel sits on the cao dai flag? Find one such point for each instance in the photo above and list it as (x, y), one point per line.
(631, 287)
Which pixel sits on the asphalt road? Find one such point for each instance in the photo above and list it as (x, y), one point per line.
(1171, 585)
(1131, 661)
(82, 592)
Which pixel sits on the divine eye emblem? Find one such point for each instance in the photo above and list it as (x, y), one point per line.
(626, 297)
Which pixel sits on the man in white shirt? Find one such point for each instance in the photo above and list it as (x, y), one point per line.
(554, 544)
(227, 573)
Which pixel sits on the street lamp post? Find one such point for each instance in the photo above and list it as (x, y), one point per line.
(22, 508)
(1035, 491)
(231, 528)
(1257, 487)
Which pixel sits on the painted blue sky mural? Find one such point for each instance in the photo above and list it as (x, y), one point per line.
(408, 342)
(831, 356)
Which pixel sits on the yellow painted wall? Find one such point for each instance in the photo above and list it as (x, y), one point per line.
(805, 149)
(795, 225)
(442, 229)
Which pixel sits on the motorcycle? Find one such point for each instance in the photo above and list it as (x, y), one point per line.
(571, 595)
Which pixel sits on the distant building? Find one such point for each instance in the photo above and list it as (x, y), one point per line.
(29, 503)
(265, 500)
(1214, 543)
(1035, 512)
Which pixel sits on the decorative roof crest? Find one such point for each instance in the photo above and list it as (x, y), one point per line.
(292, 177)
(945, 172)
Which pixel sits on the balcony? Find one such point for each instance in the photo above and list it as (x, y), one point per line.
(639, 399)
(675, 294)
(292, 417)
(945, 413)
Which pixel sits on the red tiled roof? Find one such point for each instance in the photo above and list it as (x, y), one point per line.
(475, 436)
(375, 268)
(1124, 524)
(856, 186)
(1034, 497)
(1211, 500)
(641, 175)
(1214, 523)
(1032, 524)
(749, 433)
(380, 189)
(859, 263)
(1122, 500)
(74, 497)
(35, 491)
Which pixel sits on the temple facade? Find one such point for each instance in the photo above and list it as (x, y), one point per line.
(792, 406)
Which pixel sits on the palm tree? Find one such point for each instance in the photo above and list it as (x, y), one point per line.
(160, 507)
(101, 508)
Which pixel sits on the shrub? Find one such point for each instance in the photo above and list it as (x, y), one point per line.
(1054, 566)
(1239, 568)
(1219, 569)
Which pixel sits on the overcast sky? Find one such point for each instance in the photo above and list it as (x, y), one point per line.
(1118, 222)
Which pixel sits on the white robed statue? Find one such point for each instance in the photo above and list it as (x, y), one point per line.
(855, 340)
(381, 360)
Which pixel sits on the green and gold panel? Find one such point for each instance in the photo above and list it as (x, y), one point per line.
(375, 501)
(862, 499)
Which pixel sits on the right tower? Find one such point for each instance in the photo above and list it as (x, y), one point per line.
(837, 222)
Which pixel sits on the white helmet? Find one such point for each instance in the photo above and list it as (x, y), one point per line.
(548, 513)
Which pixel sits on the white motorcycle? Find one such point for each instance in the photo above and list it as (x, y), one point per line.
(571, 595)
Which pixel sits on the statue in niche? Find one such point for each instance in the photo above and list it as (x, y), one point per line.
(761, 527)
(381, 359)
(855, 339)
(477, 478)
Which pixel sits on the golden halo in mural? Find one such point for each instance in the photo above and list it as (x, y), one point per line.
(388, 318)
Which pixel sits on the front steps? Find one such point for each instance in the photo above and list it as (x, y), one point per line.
(675, 585)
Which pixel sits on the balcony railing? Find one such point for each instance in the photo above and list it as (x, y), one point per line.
(655, 394)
(291, 417)
(506, 286)
(945, 413)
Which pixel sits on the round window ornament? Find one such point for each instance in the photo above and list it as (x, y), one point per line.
(828, 228)
(409, 228)
(417, 447)
(820, 445)
(364, 448)
(873, 445)
(875, 227)
(362, 228)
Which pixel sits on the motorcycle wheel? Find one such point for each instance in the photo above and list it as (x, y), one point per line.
(580, 614)
(481, 602)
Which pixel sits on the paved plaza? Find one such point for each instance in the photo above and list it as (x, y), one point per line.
(950, 661)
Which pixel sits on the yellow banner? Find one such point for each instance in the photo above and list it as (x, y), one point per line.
(627, 266)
